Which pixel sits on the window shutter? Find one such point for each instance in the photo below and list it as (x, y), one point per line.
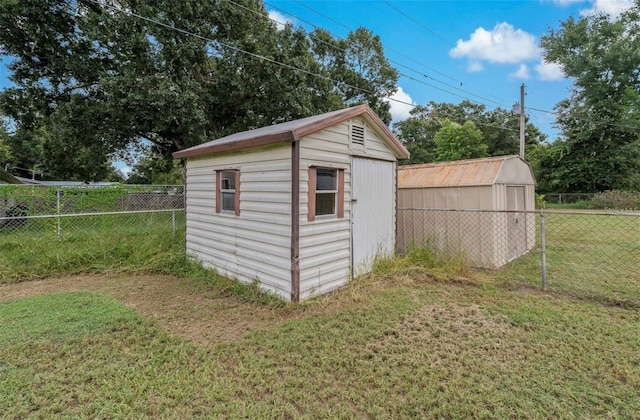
(237, 193)
(218, 194)
(340, 198)
(357, 134)
(311, 211)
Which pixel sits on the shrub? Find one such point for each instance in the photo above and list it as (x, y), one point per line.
(615, 199)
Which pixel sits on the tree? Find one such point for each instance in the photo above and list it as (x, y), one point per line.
(455, 142)
(499, 127)
(600, 121)
(5, 151)
(152, 168)
(108, 77)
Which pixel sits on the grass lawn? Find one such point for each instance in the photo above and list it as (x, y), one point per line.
(153, 335)
(591, 256)
(401, 343)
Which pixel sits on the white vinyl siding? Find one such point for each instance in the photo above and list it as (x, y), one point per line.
(325, 244)
(256, 244)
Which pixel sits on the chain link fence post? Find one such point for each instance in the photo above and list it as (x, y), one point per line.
(543, 250)
(58, 228)
(173, 221)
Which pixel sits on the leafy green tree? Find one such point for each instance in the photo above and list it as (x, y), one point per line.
(104, 77)
(5, 151)
(500, 129)
(600, 121)
(153, 168)
(455, 142)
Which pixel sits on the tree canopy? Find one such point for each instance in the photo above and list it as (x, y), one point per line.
(600, 121)
(96, 80)
(499, 129)
(455, 142)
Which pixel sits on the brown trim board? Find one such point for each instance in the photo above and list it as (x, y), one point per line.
(295, 220)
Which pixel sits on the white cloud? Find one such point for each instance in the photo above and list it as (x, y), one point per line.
(503, 44)
(474, 67)
(400, 110)
(522, 73)
(611, 7)
(549, 71)
(279, 19)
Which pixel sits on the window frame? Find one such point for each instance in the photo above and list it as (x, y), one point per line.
(235, 191)
(338, 212)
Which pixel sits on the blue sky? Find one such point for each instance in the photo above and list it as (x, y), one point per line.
(479, 50)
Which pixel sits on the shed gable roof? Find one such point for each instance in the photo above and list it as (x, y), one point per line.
(295, 130)
(484, 171)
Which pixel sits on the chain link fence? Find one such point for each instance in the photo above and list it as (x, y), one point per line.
(61, 212)
(592, 254)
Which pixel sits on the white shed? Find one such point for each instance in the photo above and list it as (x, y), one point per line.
(301, 207)
(476, 206)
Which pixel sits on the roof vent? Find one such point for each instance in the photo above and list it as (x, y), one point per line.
(357, 134)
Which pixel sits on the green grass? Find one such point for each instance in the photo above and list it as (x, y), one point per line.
(139, 243)
(413, 349)
(422, 336)
(593, 257)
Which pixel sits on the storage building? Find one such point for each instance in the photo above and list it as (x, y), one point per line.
(476, 207)
(300, 207)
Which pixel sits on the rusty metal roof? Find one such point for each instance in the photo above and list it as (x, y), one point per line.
(293, 131)
(468, 172)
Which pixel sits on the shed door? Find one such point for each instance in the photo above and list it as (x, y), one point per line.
(372, 212)
(516, 229)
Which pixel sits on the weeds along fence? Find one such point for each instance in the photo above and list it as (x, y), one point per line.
(60, 212)
(588, 253)
(602, 200)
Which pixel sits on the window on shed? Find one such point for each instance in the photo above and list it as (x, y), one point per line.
(228, 191)
(326, 193)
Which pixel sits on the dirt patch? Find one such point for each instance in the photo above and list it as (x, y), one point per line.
(192, 310)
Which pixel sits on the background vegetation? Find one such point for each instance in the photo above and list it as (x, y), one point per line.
(126, 82)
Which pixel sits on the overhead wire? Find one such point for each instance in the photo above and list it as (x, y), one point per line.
(437, 35)
(394, 61)
(343, 50)
(261, 57)
(602, 122)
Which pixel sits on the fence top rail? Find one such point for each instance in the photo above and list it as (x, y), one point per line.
(108, 213)
(627, 213)
(469, 210)
(612, 212)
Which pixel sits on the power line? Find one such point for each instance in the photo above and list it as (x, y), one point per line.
(417, 22)
(600, 122)
(343, 50)
(446, 41)
(261, 57)
(390, 60)
(400, 64)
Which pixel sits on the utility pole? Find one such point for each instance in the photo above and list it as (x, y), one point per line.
(522, 121)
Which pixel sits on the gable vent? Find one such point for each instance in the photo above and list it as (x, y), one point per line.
(357, 134)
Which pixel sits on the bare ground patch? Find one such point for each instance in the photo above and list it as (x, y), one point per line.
(192, 310)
